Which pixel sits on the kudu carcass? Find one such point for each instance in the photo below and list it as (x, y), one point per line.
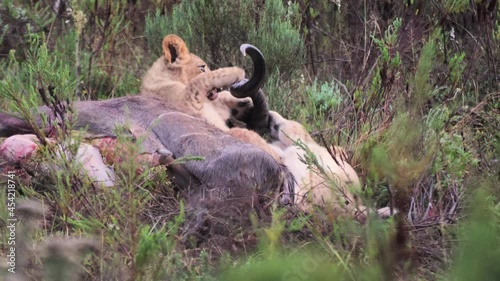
(229, 164)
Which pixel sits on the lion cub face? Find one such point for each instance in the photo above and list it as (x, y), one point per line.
(287, 131)
(181, 65)
(240, 107)
(185, 67)
(172, 71)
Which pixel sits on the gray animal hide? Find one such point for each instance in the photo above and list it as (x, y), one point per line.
(102, 118)
(229, 163)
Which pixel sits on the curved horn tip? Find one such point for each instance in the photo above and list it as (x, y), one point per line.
(244, 47)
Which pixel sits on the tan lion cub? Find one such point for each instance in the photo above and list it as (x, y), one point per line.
(185, 80)
(314, 189)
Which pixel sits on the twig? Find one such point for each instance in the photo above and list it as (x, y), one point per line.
(335, 39)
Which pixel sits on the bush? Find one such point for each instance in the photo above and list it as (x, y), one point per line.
(214, 30)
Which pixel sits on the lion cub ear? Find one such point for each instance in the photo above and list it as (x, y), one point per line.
(175, 49)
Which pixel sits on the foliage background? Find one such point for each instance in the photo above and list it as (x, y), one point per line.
(410, 88)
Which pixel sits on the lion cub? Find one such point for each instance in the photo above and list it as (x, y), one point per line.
(314, 188)
(184, 79)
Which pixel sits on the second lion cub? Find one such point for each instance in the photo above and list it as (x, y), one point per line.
(314, 189)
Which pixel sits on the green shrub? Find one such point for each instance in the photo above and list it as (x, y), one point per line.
(478, 250)
(456, 6)
(214, 30)
(277, 36)
(325, 96)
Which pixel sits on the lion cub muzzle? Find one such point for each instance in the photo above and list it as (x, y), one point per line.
(214, 93)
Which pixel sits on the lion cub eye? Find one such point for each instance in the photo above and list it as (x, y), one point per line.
(202, 68)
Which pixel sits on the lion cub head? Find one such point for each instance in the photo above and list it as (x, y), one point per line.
(183, 65)
(174, 69)
(178, 69)
(287, 131)
(241, 108)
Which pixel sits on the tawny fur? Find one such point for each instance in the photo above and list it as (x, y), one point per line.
(184, 80)
(313, 188)
(255, 139)
(229, 106)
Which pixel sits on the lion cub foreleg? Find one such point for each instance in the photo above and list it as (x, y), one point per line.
(200, 94)
(200, 86)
